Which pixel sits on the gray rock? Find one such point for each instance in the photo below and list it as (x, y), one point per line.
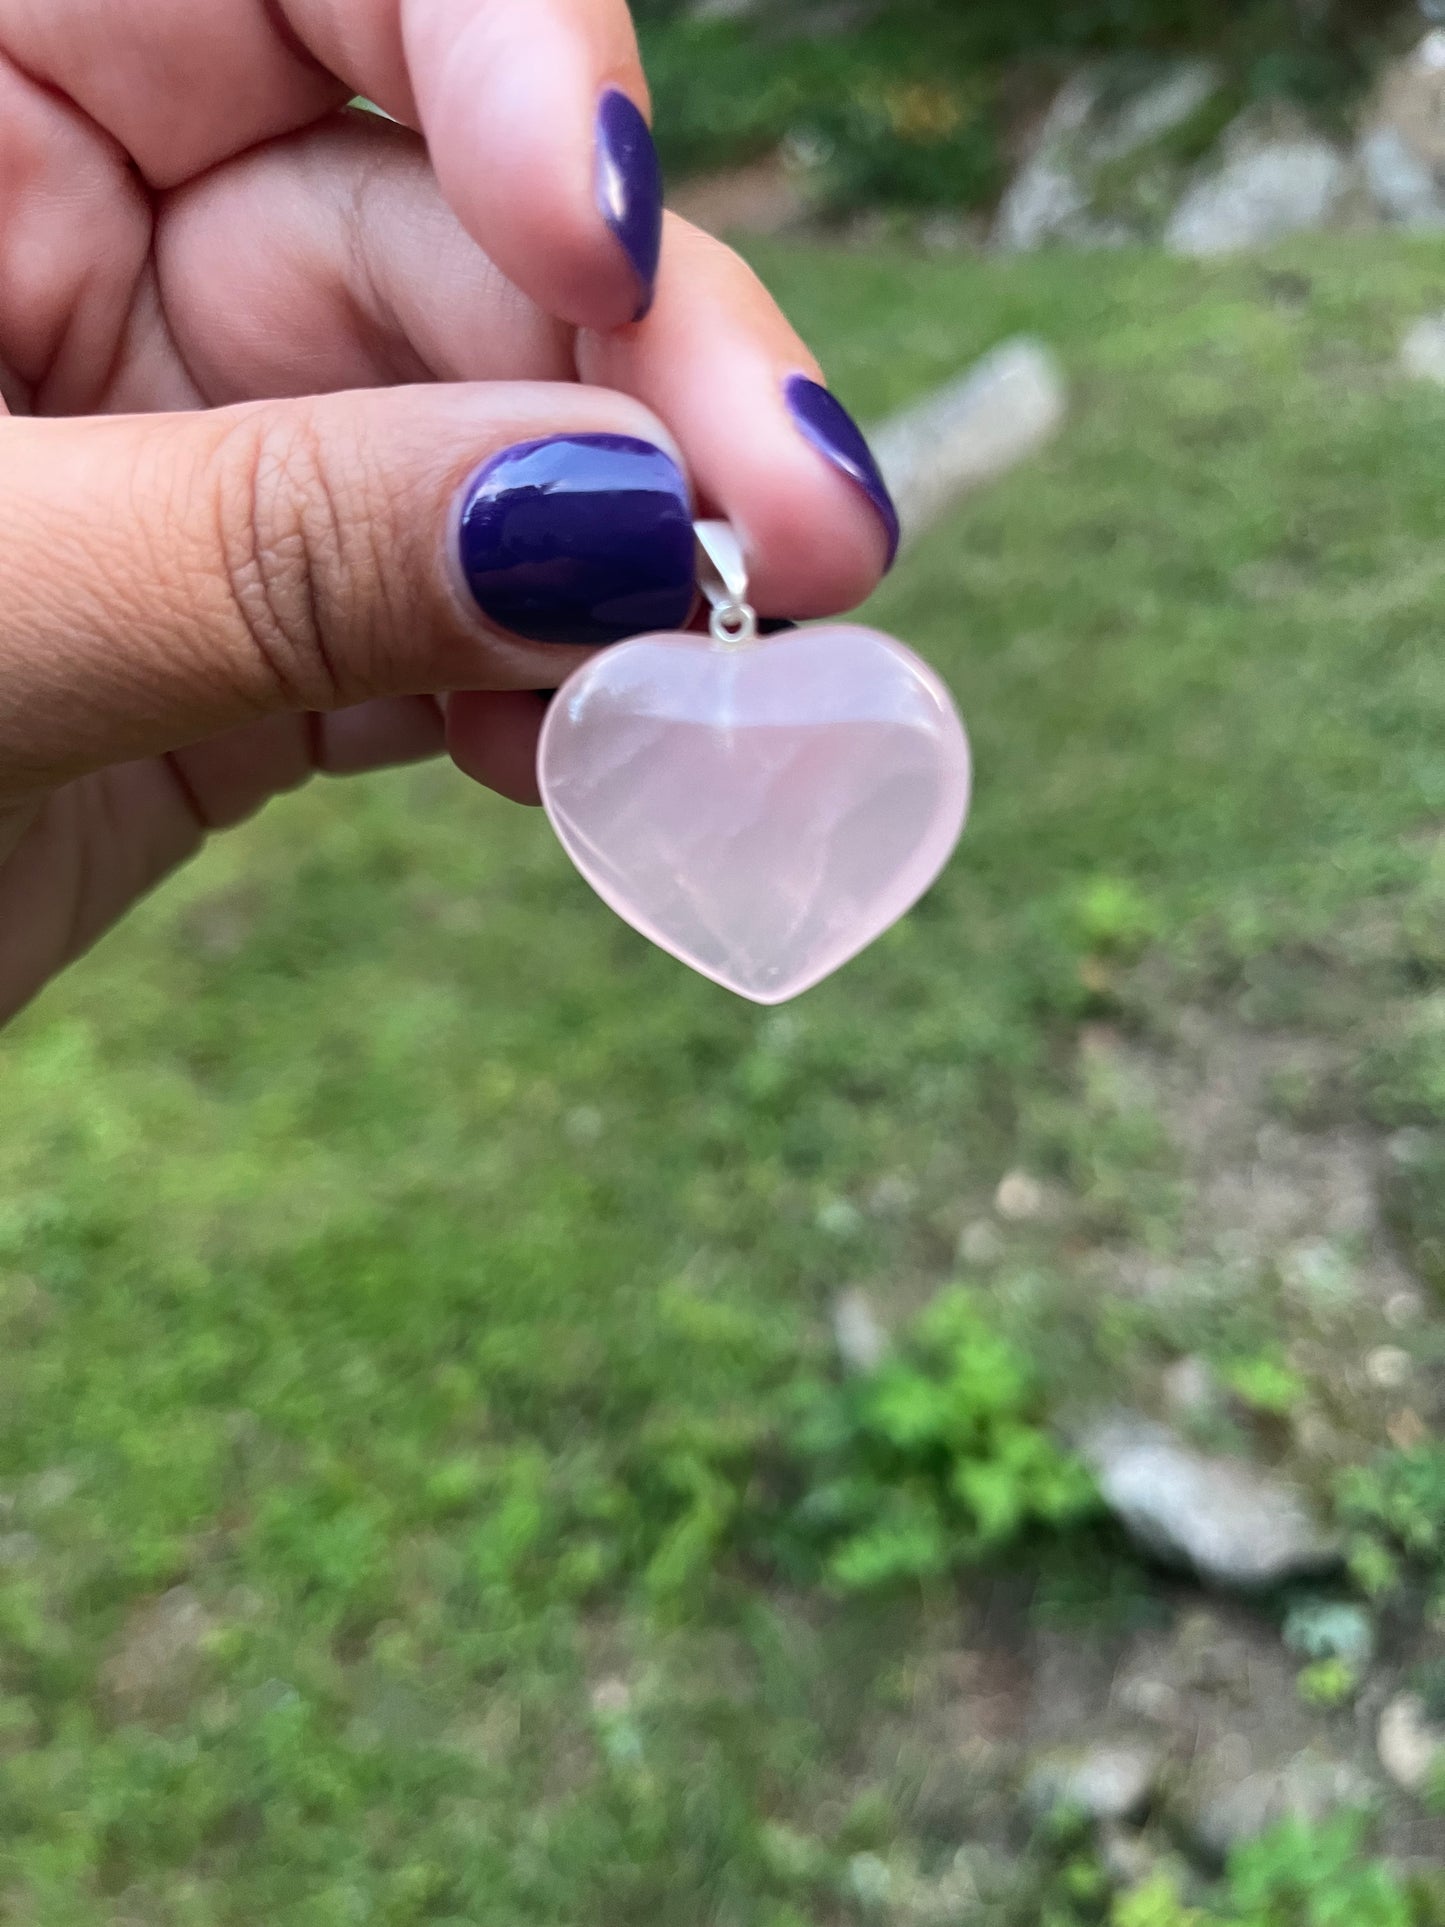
(972, 431)
(1267, 187)
(1229, 1811)
(1401, 186)
(1422, 352)
(1112, 1781)
(1100, 118)
(1046, 196)
(1402, 149)
(1233, 1524)
(861, 1340)
(1190, 1389)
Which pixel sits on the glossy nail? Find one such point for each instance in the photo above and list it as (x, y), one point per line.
(824, 421)
(629, 189)
(580, 539)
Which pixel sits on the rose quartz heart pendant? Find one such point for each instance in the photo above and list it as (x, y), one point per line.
(763, 811)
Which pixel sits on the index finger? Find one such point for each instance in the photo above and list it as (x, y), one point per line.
(533, 111)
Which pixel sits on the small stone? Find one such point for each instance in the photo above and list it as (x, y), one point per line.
(1409, 1745)
(1422, 352)
(154, 1668)
(611, 1698)
(1265, 189)
(1020, 1199)
(1403, 1309)
(1234, 1524)
(981, 1243)
(1110, 1781)
(1190, 1388)
(861, 1340)
(1388, 1367)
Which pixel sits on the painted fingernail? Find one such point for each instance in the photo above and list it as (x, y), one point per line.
(629, 189)
(580, 539)
(826, 423)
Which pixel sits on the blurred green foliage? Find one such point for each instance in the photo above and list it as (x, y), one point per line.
(937, 1459)
(1395, 1510)
(916, 102)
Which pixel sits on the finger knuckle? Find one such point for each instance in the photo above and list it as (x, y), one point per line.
(284, 548)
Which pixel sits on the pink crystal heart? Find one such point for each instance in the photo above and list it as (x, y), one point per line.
(765, 811)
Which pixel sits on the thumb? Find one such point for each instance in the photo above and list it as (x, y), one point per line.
(166, 578)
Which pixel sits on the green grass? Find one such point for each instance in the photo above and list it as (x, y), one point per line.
(399, 1253)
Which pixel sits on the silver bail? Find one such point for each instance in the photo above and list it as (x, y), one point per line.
(722, 573)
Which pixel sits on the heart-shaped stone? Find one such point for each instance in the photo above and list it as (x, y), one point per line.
(763, 811)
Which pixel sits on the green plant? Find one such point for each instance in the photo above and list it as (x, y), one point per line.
(1394, 1511)
(1327, 1683)
(936, 1459)
(1300, 1875)
(1264, 1383)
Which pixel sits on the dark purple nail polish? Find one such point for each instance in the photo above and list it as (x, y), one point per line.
(580, 539)
(826, 423)
(629, 189)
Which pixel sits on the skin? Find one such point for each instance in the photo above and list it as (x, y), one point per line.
(253, 343)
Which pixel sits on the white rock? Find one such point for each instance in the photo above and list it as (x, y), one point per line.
(1020, 1198)
(1264, 190)
(1233, 1524)
(1409, 1745)
(862, 1342)
(971, 431)
(1388, 1367)
(1400, 183)
(1422, 352)
(1111, 1781)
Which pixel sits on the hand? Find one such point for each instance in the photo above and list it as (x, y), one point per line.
(220, 574)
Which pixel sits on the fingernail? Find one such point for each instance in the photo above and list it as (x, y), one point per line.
(629, 189)
(826, 423)
(580, 539)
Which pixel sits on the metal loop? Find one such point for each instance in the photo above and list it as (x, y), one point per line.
(734, 623)
(723, 575)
